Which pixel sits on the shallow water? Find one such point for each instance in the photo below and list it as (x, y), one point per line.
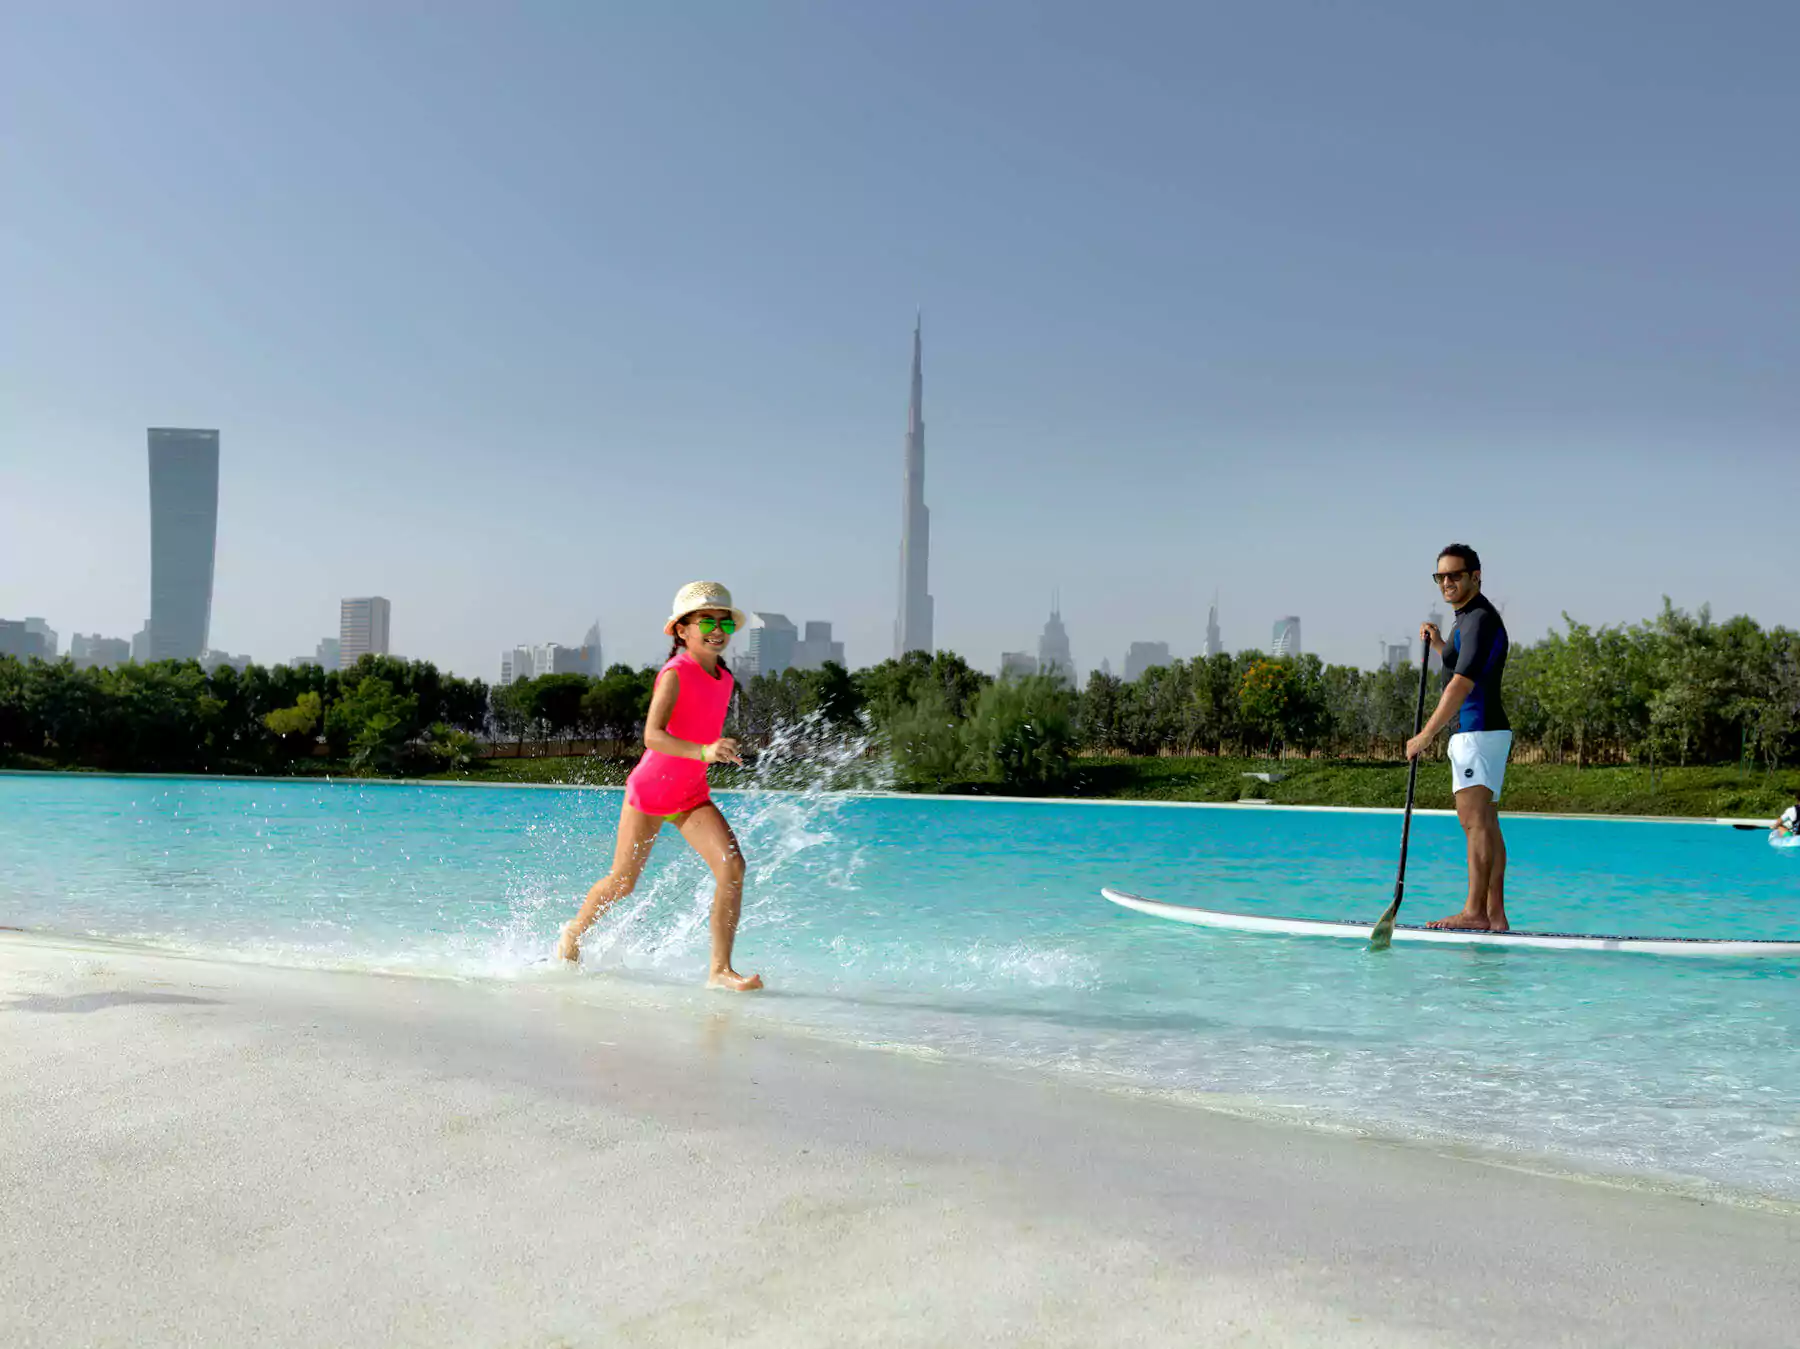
(976, 927)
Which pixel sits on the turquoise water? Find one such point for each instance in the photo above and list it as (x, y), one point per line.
(976, 928)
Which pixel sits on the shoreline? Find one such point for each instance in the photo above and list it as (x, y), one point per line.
(657, 997)
(1735, 822)
(329, 1158)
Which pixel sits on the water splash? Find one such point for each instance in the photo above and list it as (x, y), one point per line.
(783, 814)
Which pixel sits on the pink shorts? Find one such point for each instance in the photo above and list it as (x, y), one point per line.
(663, 785)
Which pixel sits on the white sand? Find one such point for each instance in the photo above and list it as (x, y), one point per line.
(198, 1153)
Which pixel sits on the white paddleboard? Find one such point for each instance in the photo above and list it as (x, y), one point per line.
(1539, 941)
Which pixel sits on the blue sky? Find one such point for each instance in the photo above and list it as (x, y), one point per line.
(524, 315)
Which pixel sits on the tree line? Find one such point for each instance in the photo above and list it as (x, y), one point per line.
(1678, 688)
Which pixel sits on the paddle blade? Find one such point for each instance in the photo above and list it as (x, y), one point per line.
(1381, 936)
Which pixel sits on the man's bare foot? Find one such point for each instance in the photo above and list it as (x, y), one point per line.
(568, 945)
(731, 979)
(1465, 921)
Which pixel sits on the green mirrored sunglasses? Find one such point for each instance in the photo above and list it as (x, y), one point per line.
(724, 625)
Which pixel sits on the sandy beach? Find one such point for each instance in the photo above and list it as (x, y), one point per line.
(201, 1153)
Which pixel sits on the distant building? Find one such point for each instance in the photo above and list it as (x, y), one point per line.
(20, 642)
(813, 650)
(326, 653)
(1285, 640)
(1396, 655)
(184, 527)
(529, 662)
(362, 629)
(1017, 664)
(48, 633)
(1144, 656)
(140, 643)
(1215, 644)
(1054, 655)
(97, 652)
(214, 660)
(555, 658)
(769, 646)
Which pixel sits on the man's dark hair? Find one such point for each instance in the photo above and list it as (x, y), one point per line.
(1463, 554)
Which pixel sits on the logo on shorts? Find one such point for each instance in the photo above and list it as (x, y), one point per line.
(1468, 772)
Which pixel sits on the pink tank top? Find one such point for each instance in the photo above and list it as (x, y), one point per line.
(662, 784)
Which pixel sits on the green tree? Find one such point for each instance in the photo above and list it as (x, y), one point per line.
(296, 727)
(614, 706)
(375, 723)
(449, 749)
(555, 703)
(927, 750)
(1272, 700)
(1097, 712)
(1020, 734)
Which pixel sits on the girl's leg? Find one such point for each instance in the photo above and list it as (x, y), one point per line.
(706, 829)
(637, 832)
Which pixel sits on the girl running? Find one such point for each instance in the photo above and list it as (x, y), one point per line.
(681, 737)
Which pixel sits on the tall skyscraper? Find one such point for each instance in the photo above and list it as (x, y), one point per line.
(912, 628)
(1215, 644)
(184, 528)
(1054, 657)
(362, 629)
(1285, 641)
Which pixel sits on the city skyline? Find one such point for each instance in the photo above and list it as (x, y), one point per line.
(521, 372)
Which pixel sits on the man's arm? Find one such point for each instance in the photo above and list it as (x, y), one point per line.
(1456, 692)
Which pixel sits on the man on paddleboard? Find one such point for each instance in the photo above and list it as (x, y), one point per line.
(1475, 659)
(1789, 823)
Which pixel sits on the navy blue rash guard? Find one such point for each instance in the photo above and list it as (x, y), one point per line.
(1478, 652)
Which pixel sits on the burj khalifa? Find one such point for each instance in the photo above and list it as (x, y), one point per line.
(912, 626)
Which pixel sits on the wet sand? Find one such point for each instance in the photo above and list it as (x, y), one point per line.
(204, 1153)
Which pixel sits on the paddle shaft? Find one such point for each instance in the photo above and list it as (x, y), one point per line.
(1412, 775)
(1384, 926)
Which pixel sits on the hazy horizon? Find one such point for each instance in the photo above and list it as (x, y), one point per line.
(523, 319)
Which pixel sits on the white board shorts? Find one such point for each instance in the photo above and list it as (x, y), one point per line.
(1478, 759)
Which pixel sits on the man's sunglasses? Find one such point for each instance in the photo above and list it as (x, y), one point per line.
(724, 625)
(1439, 577)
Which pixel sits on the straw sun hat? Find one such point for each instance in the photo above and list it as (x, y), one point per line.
(700, 595)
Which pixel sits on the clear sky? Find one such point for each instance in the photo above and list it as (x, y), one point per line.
(523, 315)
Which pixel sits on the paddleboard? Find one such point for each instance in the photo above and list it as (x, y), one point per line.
(1538, 941)
(1783, 840)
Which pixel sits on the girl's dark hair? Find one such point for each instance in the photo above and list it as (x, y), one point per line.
(1463, 554)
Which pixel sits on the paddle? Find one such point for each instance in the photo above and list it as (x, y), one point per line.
(1381, 936)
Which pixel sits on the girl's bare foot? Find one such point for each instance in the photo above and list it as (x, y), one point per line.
(1476, 922)
(731, 979)
(568, 945)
